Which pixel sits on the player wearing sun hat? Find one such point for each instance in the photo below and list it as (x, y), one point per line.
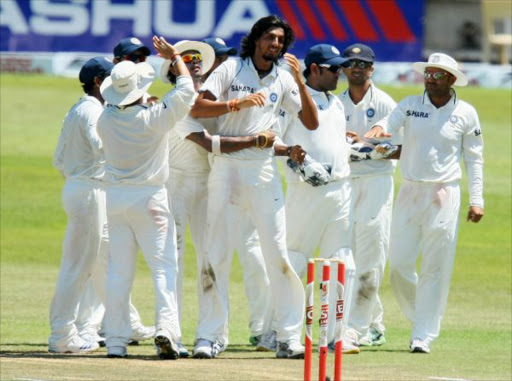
(438, 130)
(135, 141)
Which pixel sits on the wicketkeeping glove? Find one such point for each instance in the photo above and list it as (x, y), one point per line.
(382, 151)
(311, 171)
(367, 151)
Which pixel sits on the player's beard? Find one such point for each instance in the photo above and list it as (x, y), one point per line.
(270, 57)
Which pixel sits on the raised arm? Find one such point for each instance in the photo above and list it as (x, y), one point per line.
(308, 115)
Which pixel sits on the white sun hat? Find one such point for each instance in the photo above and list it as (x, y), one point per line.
(127, 83)
(445, 62)
(206, 51)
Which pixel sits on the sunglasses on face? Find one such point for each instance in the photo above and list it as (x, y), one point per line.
(436, 75)
(331, 68)
(358, 64)
(188, 58)
(135, 57)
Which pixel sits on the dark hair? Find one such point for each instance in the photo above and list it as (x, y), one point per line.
(261, 26)
(171, 77)
(87, 87)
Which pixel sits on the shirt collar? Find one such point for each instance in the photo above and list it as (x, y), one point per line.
(315, 93)
(367, 99)
(273, 72)
(92, 99)
(451, 103)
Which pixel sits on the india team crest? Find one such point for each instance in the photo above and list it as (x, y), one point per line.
(273, 97)
(370, 112)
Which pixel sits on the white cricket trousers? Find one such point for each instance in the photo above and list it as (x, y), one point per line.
(188, 197)
(139, 216)
(321, 217)
(372, 198)
(240, 189)
(425, 220)
(84, 204)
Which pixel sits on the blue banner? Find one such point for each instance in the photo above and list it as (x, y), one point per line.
(393, 28)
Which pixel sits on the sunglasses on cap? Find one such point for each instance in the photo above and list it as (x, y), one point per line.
(331, 68)
(188, 58)
(436, 75)
(352, 64)
(134, 57)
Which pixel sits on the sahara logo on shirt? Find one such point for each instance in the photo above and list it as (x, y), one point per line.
(243, 88)
(417, 114)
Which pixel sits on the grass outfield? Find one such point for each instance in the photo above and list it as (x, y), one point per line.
(475, 342)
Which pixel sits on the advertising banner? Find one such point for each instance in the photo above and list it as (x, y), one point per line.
(393, 28)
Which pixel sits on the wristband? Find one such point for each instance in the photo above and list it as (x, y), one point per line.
(216, 145)
(176, 60)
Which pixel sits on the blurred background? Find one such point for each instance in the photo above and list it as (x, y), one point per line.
(58, 36)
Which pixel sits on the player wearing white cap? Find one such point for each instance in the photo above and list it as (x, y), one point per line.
(135, 139)
(325, 206)
(372, 197)
(246, 94)
(79, 158)
(438, 130)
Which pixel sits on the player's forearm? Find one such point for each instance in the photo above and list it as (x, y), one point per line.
(308, 115)
(206, 108)
(236, 143)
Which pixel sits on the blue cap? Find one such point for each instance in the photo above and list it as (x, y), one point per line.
(129, 45)
(95, 67)
(359, 52)
(220, 47)
(323, 54)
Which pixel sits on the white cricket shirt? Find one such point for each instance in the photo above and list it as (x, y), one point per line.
(374, 106)
(185, 155)
(435, 139)
(327, 144)
(135, 139)
(238, 78)
(79, 152)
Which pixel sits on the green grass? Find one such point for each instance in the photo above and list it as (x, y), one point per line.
(476, 338)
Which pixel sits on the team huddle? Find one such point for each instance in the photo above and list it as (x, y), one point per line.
(205, 156)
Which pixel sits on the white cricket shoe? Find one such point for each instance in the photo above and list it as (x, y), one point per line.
(76, 345)
(268, 342)
(291, 349)
(116, 352)
(204, 349)
(93, 336)
(418, 345)
(182, 351)
(348, 348)
(142, 333)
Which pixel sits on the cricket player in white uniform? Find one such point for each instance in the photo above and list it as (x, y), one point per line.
(135, 139)
(92, 306)
(372, 197)
(320, 216)
(438, 130)
(189, 144)
(246, 95)
(79, 158)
